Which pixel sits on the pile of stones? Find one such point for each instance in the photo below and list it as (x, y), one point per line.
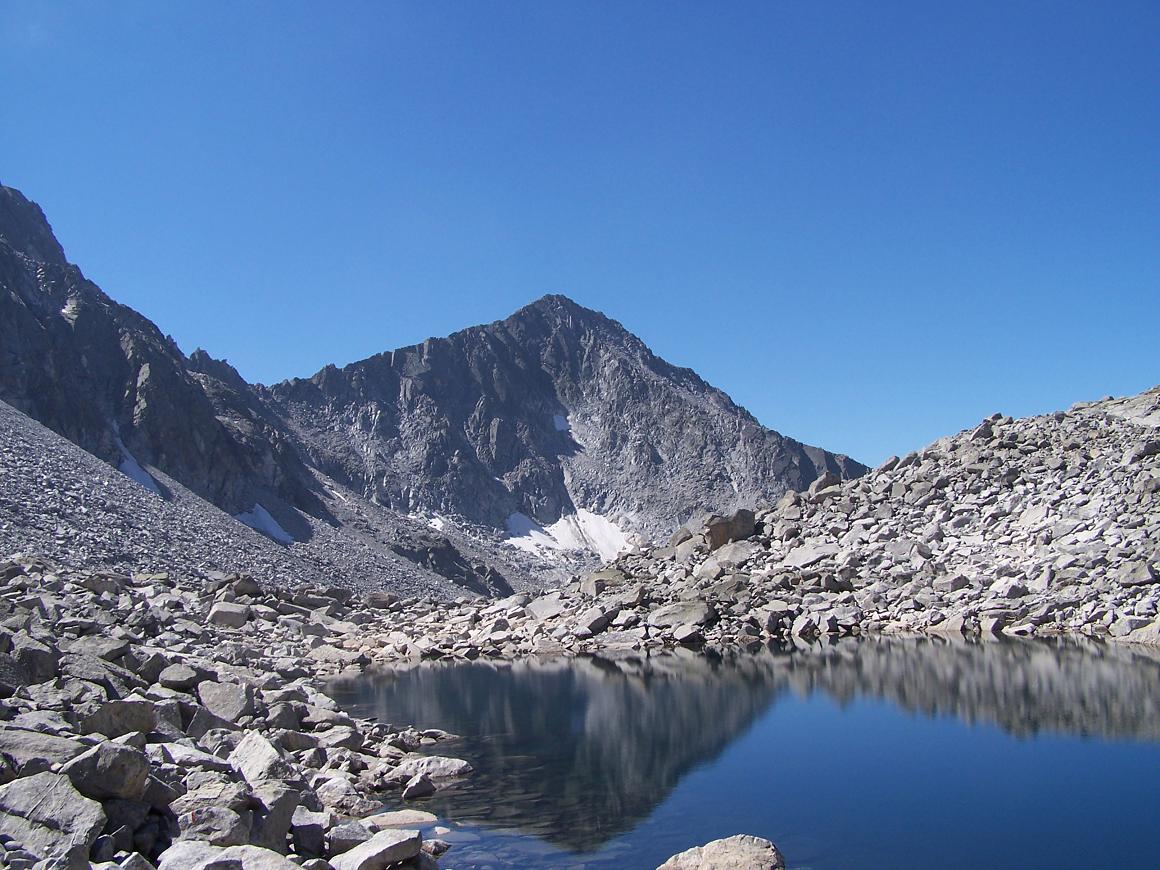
(149, 722)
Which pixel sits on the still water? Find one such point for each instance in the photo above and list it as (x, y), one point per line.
(863, 754)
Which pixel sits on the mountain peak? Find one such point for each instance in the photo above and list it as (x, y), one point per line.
(26, 230)
(554, 305)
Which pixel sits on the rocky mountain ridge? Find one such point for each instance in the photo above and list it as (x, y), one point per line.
(555, 409)
(555, 426)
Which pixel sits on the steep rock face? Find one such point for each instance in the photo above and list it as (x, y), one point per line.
(105, 377)
(555, 409)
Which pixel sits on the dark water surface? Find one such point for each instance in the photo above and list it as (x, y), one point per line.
(864, 754)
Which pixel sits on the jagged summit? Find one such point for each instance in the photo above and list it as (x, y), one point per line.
(26, 230)
(555, 412)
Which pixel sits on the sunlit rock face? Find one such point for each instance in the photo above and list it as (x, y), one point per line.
(553, 410)
(583, 748)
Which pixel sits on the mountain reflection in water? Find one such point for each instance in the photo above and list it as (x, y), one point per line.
(579, 750)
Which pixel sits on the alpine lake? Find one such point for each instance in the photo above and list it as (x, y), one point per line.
(875, 753)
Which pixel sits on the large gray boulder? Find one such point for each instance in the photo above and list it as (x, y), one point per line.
(50, 818)
(114, 718)
(229, 615)
(191, 855)
(682, 613)
(433, 766)
(740, 852)
(258, 760)
(109, 770)
(34, 751)
(380, 851)
(721, 530)
(228, 701)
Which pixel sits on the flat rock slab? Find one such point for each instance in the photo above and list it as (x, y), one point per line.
(434, 766)
(740, 852)
(682, 613)
(380, 851)
(400, 819)
(34, 751)
(50, 818)
(803, 557)
(191, 855)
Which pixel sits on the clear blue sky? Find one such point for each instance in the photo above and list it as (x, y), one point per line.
(871, 223)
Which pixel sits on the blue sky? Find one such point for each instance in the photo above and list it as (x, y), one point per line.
(871, 223)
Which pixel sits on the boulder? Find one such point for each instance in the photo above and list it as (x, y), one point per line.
(548, 607)
(805, 556)
(380, 851)
(178, 677)
(218, 826)
(229, 615)
(693, 613)
(343, 838)
(50, 818)
(258, 760)
(741, 852)
(433, 766)
(192, 855)
(596, 619)
(39, 660)
(1137, 574)
(114, 718)
(418, 786)
(1008, 588)
(109, 770)
(277, 803)
(228, 701)
(721, 530)
(308, 831)
(400, 819)
(32, 751)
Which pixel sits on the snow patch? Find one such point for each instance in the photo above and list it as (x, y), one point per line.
(70, 310)
(583, 530)
(433, 521)
(259, 519)
(561, 423)
(130, 467)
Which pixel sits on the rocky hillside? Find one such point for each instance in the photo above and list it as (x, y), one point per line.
(59, 501)
(556, 417)
(1033, 527)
